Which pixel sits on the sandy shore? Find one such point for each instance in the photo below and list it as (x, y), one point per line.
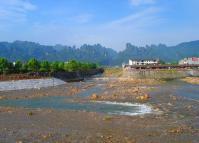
(177, 119)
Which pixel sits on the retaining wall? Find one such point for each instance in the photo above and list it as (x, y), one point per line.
(160, 74)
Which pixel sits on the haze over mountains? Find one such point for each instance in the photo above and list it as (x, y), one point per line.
(24, 50)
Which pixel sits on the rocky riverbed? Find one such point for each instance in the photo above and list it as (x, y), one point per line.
(33, 115)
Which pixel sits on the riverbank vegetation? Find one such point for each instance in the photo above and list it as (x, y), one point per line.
(33, 65)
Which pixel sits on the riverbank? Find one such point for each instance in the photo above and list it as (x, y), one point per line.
(25, 76)
(160, 73)
(192, 80)
(65, 76)
(174, 118)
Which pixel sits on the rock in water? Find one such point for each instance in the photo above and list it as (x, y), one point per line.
(94, 96)
(143, 98)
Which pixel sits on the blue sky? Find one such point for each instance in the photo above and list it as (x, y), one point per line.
(111, 23)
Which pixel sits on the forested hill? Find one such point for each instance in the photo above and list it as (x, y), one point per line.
(23, 50)
(161, 51)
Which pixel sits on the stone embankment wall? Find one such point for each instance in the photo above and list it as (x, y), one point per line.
(161, 74)
(8, 77)
(77, 76)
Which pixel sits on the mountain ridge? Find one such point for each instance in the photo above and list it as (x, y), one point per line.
(24, 50)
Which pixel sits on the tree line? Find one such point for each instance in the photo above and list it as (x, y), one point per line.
(34, 65)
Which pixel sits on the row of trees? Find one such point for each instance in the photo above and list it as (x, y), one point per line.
(34, 65)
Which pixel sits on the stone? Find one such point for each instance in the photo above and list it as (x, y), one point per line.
(143, 98)
(94, 96)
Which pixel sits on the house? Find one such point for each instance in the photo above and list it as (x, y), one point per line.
(189, 61)
(143, 62)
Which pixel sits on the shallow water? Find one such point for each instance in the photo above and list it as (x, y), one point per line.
(61, 103)
(68, 103)
(181, 88)
(175, 87)
(178, 88)
(188, 90)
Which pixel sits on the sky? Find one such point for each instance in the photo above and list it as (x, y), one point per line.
(112, 23)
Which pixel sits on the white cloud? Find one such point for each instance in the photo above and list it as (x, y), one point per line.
(15, 10)
(141, 2)
(135, 18)
(131, 28)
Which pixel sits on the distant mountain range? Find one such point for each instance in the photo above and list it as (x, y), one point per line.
(24, 50)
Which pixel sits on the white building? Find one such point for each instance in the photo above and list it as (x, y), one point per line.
(143, 62)
(189, 61)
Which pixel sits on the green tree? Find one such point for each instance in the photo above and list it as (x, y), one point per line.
(87, 66)
(72, 66)
(54, 67)
(24, 68)
(33, 65)
(84, 66)
(61, 66)
(92, 66)
(18, 67)
(4, 66)
(44, 66)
